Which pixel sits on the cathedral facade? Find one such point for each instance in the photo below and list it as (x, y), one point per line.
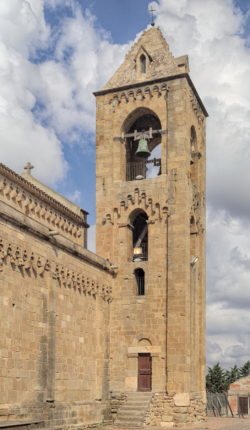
(83, 335)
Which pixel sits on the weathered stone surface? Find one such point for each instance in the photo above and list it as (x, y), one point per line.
(72, 323)
(239, 388)
(168, 321)
(182, 399)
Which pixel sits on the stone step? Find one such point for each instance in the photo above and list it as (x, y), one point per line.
(139, 415)
(137, 402)
(131, 410)
(146, 394)
(125, 424)
(132, 413)
(21, 425)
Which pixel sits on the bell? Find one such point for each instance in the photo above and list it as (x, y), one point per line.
(142, 149)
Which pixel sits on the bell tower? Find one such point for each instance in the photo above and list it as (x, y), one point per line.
(150, 194)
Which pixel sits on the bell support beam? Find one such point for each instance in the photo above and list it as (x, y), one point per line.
(136, 135)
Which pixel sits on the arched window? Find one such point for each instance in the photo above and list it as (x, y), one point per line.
(193, 141)
(140, 281)
(140, 236)
(143, 63)
(195, 155)
(139, 122)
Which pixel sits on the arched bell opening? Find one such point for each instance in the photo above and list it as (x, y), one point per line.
(140, 281)
(139, 222)
(142, 131)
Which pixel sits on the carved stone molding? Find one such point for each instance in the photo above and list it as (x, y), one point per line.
(141, 93)
(138, 199)
(29, 263)
(30, 204)
(195, 213)
(196, 106)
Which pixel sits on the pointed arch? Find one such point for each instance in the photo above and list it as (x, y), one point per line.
(143, 63)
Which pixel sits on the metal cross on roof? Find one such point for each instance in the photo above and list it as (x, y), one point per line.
(28, 167)
(152, 13)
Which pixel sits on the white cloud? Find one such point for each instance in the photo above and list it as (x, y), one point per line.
(211, 33)
(85, 60)
(75, 196)
(45, 103)
(92, 238)
(23, 29)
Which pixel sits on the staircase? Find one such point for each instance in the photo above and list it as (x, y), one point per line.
(133, 412)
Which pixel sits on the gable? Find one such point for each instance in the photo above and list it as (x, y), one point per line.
(159, 61)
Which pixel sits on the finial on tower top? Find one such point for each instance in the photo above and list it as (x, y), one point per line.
(152, 13)
(28, 167)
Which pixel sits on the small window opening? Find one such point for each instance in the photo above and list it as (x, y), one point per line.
(140, 282)
(143, 63)
(193, 141)
(140, 237)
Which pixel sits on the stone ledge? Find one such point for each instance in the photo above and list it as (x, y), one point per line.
(15, 424)
(12, 216)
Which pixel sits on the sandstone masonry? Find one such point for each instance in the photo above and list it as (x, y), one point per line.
(79, 334)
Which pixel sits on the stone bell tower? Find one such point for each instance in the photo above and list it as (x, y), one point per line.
(150, 191)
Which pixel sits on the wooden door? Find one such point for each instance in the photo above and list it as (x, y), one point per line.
(144, 372)
(243, 405)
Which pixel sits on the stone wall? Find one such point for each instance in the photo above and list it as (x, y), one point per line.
(177, 410)
(54, 305)
(167, 322)
(239, 388)
(50, 209)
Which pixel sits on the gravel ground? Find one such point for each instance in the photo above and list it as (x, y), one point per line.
(226, 424)
(210, 424)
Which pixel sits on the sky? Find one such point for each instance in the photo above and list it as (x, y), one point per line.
(55, 53)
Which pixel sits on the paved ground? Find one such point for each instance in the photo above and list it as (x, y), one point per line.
(210, 424)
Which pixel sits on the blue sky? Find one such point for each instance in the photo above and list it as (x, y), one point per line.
(55, 53)
(122, 20)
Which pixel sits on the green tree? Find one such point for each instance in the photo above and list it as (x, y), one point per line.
(245, 369)
(216, 379)
(231, 375)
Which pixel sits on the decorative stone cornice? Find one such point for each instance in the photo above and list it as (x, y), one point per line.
(197, 108)
(18, 180)
(28, 263)
(141, 93)
(20, 194)
(137, 200)
(124, 88)
(36, 229)
(195, 213)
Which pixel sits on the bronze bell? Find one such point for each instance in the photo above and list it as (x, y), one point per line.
(142, 149)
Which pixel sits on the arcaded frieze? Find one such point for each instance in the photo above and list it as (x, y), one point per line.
(29, 263)
(18, 193)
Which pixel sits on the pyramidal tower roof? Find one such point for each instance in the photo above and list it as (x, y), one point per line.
(159, 61)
